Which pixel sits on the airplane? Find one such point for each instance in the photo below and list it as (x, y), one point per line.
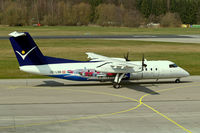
(98, 68)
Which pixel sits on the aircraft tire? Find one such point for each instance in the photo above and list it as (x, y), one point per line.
(177, 81)
(116, 85)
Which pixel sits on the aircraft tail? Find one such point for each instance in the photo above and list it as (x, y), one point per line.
(26, 50)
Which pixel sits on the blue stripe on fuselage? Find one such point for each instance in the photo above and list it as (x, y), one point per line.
(70, 77)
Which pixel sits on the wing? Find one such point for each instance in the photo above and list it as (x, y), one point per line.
(115, 65)
(97, 57)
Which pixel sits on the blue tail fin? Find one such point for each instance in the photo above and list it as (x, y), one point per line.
(28, 53)
(26, 50)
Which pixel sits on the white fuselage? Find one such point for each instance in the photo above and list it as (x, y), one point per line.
(99, 70)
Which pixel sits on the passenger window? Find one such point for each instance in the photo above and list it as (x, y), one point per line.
(151, 69)
(156, 69)
(173, 66)
(146, 69)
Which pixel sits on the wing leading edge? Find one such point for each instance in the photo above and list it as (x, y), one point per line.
(115, 65)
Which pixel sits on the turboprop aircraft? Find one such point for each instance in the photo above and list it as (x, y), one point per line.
(98, 68)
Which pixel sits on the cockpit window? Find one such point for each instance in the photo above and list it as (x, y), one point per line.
(173, 66)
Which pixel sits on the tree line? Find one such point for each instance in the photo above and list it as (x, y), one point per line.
(130, 13)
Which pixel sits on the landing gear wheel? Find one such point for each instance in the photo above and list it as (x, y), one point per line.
(116, 85)
(177, 81)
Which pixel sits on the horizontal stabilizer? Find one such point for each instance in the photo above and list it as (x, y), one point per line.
(17, 34)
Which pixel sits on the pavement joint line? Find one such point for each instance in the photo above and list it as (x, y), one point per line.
(169, 119)
(81, 118)
(109, 114)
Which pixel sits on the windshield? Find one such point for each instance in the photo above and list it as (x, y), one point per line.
(173, 66)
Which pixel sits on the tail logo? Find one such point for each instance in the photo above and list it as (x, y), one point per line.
(23, 55)
(23, 52)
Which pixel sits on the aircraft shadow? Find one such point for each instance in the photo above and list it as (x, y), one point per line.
(55, 83)
(158, 82)
(124, 83)
(137, 86)
(141, 88)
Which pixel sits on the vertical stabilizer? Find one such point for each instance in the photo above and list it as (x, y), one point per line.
(26, 50)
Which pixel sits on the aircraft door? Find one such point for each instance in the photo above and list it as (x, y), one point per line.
(150, 73)
(147, 73)
(156, 72)
(137, 75)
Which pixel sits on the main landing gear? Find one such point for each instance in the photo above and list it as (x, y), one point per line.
(116, 85)
(177, 81)
(117, 80)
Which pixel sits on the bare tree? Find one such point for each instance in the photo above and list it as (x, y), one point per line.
(82, 13)
(171, 20)
(109, 15)
(133, 18)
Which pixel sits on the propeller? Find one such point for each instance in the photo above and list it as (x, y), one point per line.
(143, 65)
(143, 59)
(126, 56)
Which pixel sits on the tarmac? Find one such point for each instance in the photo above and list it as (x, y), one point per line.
(61, 106)
(158, 38)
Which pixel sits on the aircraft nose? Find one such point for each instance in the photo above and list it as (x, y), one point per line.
(185, 73)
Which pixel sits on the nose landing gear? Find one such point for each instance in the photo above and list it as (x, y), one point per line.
(177, 81)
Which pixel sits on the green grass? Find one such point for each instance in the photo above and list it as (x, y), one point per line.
(97, 30)
(185, 55)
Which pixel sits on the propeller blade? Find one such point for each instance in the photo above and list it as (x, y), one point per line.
(126, 56)
(143, 65)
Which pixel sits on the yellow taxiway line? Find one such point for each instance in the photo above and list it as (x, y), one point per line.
(163, 114)
(81, 118)
(140, 102)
